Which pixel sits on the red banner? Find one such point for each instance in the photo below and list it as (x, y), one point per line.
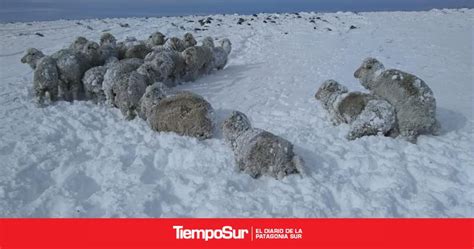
(236, 233)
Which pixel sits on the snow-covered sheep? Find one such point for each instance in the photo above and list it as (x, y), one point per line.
(153, 95)
(46, 81)
(179, 45)
(124, 86)
(70, 64)
(176, 44)
(155, 39)
(71, 67)
(92, 81)
(185, 113)
(167, 66)
(109, 52)
(219, 54)
(258, 152)
(412, 98)
(198, 60)
(367, 114)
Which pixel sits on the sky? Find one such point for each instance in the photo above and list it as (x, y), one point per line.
(40, 10)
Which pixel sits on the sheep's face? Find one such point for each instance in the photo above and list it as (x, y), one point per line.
(226, 45)
(79, 43)
(155, 92)
(189, 40)
(235, 125)
(156, 39)
(329, 88)
(31, 57)
(368, 71)
(91, 50)
(208, 42)
(108, 39)
(190, 56)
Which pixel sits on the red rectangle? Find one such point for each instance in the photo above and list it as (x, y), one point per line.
(215, 233)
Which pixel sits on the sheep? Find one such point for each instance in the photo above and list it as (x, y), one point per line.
(92, 81)
(411, 97)
(123, 86)
(258, 152)
(46, 81)
(155, 39)
(129, 43)
(153, 95)
(176, 44)
(167, 65)
(219, 54)
(109, 52)
(366, 114)
(189, 40)
(70, 65)
(198, 60)
(179, 45)
(185, 113)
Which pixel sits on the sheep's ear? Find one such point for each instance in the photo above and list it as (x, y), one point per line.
(357, 73)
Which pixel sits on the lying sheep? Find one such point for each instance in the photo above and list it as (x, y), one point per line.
(367, 114)
(123, 86)
(185, 113)
(153, 95)
(198, 60)
(258, 152)
(219, 54)
(413, 100)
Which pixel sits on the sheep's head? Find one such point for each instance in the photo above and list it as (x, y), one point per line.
(190, 56)
(235, 125)
(367, 72)
(79, 43)
(208, 42)
(156, 92)
(226, 45)
(91, 51)
(31, 57)
(329, 89)
(189, 40)
(156, 39)
(107, 39)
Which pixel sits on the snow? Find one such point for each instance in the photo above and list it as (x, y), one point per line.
(84, 160)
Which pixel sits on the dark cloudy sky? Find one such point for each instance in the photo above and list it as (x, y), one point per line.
(30, 10)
